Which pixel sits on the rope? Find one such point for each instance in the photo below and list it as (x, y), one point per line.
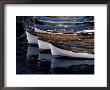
(21, 36)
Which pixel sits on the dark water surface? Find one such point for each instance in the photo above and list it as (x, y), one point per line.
(30, 61)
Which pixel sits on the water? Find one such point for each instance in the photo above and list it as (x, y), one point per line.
(30, 61)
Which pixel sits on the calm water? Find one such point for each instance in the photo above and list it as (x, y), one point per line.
(30, 61)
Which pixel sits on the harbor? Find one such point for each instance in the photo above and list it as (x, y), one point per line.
(56, 45)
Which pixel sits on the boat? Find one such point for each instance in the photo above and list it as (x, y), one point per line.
(50, 37)
(44, 38)
(32, 39)
(57, 51)
(81, 45)
(55, 43)
(30, 32)
(44, 46)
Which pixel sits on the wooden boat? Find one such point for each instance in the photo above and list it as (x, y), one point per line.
(32, 39)
(61, 50)
(43, 46)
(47, 37)
(58, 39)
(44, 38)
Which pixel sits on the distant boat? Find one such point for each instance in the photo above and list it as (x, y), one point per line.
(57, 51)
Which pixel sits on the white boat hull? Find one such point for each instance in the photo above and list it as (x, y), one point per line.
(43, 46)
(60, 52)
(31, 38)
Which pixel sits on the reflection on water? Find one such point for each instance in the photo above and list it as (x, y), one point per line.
(32, 51)
(30, 61)
(64, 62)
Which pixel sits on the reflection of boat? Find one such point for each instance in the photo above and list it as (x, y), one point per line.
(43, 46)
(64, 62)
(45, 56)
(31, 38)
(57, 50)
(32, 51)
